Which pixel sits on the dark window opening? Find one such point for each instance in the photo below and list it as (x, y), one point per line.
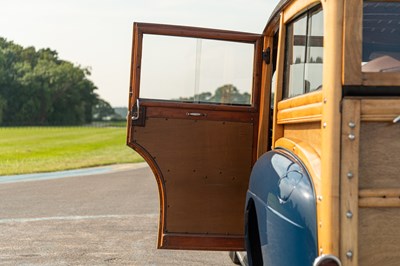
(381, 37)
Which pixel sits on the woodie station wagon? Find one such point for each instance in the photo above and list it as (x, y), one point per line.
(284, 144)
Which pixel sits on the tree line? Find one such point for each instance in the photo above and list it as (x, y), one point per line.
(39, 88)
(226, 94)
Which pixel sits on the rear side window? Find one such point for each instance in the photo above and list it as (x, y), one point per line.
(381, 37)
(304, 53)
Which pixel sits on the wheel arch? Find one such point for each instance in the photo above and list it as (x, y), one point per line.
(283, 216)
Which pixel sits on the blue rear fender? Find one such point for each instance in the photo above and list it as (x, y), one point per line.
(282, 196)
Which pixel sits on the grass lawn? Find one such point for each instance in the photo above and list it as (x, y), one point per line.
(43, 149)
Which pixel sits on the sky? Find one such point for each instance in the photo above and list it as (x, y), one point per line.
(98, 33)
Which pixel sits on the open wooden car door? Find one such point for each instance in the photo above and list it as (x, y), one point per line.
(193, 116)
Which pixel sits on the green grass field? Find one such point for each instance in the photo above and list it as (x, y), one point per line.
(43, 149)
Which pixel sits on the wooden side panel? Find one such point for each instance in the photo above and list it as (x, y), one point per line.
(205, 164)
(309, 133)
(379, 236)
(370, 183)
(379, 153)
(379, 214)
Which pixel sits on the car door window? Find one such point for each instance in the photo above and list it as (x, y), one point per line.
(196, 70)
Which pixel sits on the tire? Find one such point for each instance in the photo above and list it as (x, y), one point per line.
(234, 257)
(253, 244)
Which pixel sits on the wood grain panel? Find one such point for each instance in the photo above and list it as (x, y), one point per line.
(352, 40)
(309, 133)
(305, 99)
(277, 130)
(205, 166)
(379, 155)
(199, 242)
(349, 184)
(379, 236)
(383, 110)
(195, 32)
(381, 79)
(301, 114)
(195, 113)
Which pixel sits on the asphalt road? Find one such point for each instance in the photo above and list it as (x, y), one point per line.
(101, 219)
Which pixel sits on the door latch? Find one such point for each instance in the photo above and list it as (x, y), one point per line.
(138, 114)
(135, 111)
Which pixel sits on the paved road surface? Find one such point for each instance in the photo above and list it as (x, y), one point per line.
(102, 219)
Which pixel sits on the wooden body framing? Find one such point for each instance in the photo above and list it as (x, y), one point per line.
(312, 126)
(329, 133)
(201, 163)
(370, 187)
(309, 125)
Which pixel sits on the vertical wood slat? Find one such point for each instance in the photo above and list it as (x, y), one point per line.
(277, 130)
(265, 101)
(352, 49)
(351, 124)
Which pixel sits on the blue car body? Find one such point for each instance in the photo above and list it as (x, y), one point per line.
(281, 223)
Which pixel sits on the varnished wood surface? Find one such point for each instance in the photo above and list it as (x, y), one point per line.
(379, 236)
(309, 133)
(201, 154)
(379, 155)
(349, 184)
(204, 167)
(296, 7)
(370, 147)
(195, 113)
(301, 109)
(277, 130)
(196, 32)
(352, 51)
(352, 42)
(380, 193)
(301, 114)
(265, 101)
(328, 232)
(199, 242)
(380, 109)
(381, 79)
(301, 100)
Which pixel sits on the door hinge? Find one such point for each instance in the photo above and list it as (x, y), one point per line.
(266, 56)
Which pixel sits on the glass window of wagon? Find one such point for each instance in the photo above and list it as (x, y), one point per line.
(381, 36)
(304, 53)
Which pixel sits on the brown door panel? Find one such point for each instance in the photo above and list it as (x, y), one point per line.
(203, 168)
(201, 153)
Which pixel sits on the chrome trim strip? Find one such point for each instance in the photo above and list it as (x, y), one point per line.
(319, 259)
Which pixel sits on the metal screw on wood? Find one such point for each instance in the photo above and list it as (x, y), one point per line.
(349, 254)
(352, 124)
(349, 175)
(352, 137)
(349, 214)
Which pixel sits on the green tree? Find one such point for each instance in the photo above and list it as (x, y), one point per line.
(102, 110)
(227, 94)
(38, 88)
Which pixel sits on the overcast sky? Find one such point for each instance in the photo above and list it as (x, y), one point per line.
(98, 33)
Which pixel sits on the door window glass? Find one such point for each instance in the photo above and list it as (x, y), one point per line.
(381, 37)
(304, 54)
(194, 70)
